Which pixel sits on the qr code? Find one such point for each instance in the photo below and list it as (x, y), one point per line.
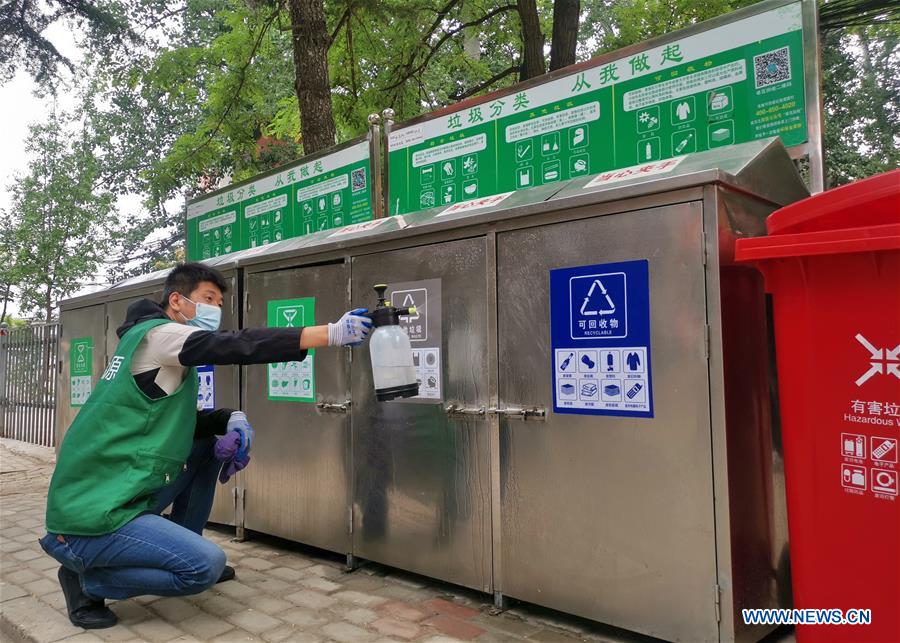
(358, 179)
(772, 67)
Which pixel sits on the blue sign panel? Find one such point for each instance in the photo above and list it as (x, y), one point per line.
(206, 393)
(600, 335)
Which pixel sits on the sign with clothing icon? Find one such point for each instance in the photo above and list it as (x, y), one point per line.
(600, 333)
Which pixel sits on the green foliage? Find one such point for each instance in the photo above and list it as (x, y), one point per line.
(205, 93)
(23, 45)
(60, 217)
(861, 87)
(607, 26)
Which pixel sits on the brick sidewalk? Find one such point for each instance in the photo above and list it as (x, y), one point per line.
(283, 592)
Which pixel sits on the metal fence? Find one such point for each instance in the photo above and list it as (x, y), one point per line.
(28, 372)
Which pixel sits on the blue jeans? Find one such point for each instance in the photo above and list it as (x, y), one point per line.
(150, 554)
(192, 493)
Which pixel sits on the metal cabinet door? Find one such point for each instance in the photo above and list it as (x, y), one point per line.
(421, 494)
(609, 517)
(298, 484)
(80, 322)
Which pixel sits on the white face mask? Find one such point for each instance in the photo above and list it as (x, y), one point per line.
(207, 316)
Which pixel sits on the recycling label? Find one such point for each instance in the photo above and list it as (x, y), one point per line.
(292, 381)
(425, 334)
(600, 335)
(80, 365)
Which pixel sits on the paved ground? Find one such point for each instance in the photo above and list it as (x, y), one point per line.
(284, 592)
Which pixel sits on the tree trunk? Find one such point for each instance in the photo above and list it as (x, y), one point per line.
(5, 302)
(48, 302)
(311, 82)
(532, 40)
(565, 33)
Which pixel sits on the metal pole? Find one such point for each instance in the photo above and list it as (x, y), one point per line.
(4, 359)
(815, 108)
(387, 117)
(31, 391)
(57, 333)
(378, 211)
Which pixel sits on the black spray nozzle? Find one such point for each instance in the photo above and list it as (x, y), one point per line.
(379, 290)
(384, 314)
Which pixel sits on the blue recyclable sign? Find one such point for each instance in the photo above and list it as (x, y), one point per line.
(600, 335)
(206, 391)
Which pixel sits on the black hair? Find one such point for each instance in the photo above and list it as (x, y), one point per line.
(185, 278)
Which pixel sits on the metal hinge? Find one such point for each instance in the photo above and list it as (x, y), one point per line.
(706, 341)
(350, 518)
(247, 301)
(705, 249)
(717, 598)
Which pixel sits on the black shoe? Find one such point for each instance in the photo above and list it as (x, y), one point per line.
(227, 574)
(84, 611)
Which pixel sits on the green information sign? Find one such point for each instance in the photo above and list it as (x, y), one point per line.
(734, 83)
(80, 367)
(327, 192)
(292, 381)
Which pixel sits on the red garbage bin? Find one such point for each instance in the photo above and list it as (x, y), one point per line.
(832, 264)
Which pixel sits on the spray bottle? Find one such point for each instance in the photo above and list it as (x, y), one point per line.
(391, 352)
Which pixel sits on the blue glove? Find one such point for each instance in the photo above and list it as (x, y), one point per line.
(237, 440)
(238, 422)
(350, 330)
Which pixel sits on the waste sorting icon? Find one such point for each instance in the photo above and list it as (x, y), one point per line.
(600, 339)
(599, 306)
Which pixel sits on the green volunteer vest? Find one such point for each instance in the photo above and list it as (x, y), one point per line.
(122, 448)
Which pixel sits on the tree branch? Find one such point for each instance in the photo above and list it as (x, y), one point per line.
(334, 34)
(243, 76)
(484, 85)
(433, 49)
(337, 27)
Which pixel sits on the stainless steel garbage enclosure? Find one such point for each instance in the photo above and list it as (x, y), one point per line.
(78, 322)
(421, 485)
(665, 525)
(298, 485)
(605, 516)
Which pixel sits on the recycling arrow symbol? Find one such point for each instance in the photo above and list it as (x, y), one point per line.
(600, 311)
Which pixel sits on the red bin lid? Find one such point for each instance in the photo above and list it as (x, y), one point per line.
(859, 217)
(869, 202)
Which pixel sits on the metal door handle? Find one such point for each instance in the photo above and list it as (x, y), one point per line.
(452, 409)
(530, 413)
(333, 407)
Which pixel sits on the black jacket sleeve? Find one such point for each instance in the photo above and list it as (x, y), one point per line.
(248, 346)
(212, 422)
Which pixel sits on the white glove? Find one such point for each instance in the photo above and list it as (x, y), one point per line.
(350, 330)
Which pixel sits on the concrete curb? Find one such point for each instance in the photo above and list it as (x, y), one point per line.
(12, 632)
